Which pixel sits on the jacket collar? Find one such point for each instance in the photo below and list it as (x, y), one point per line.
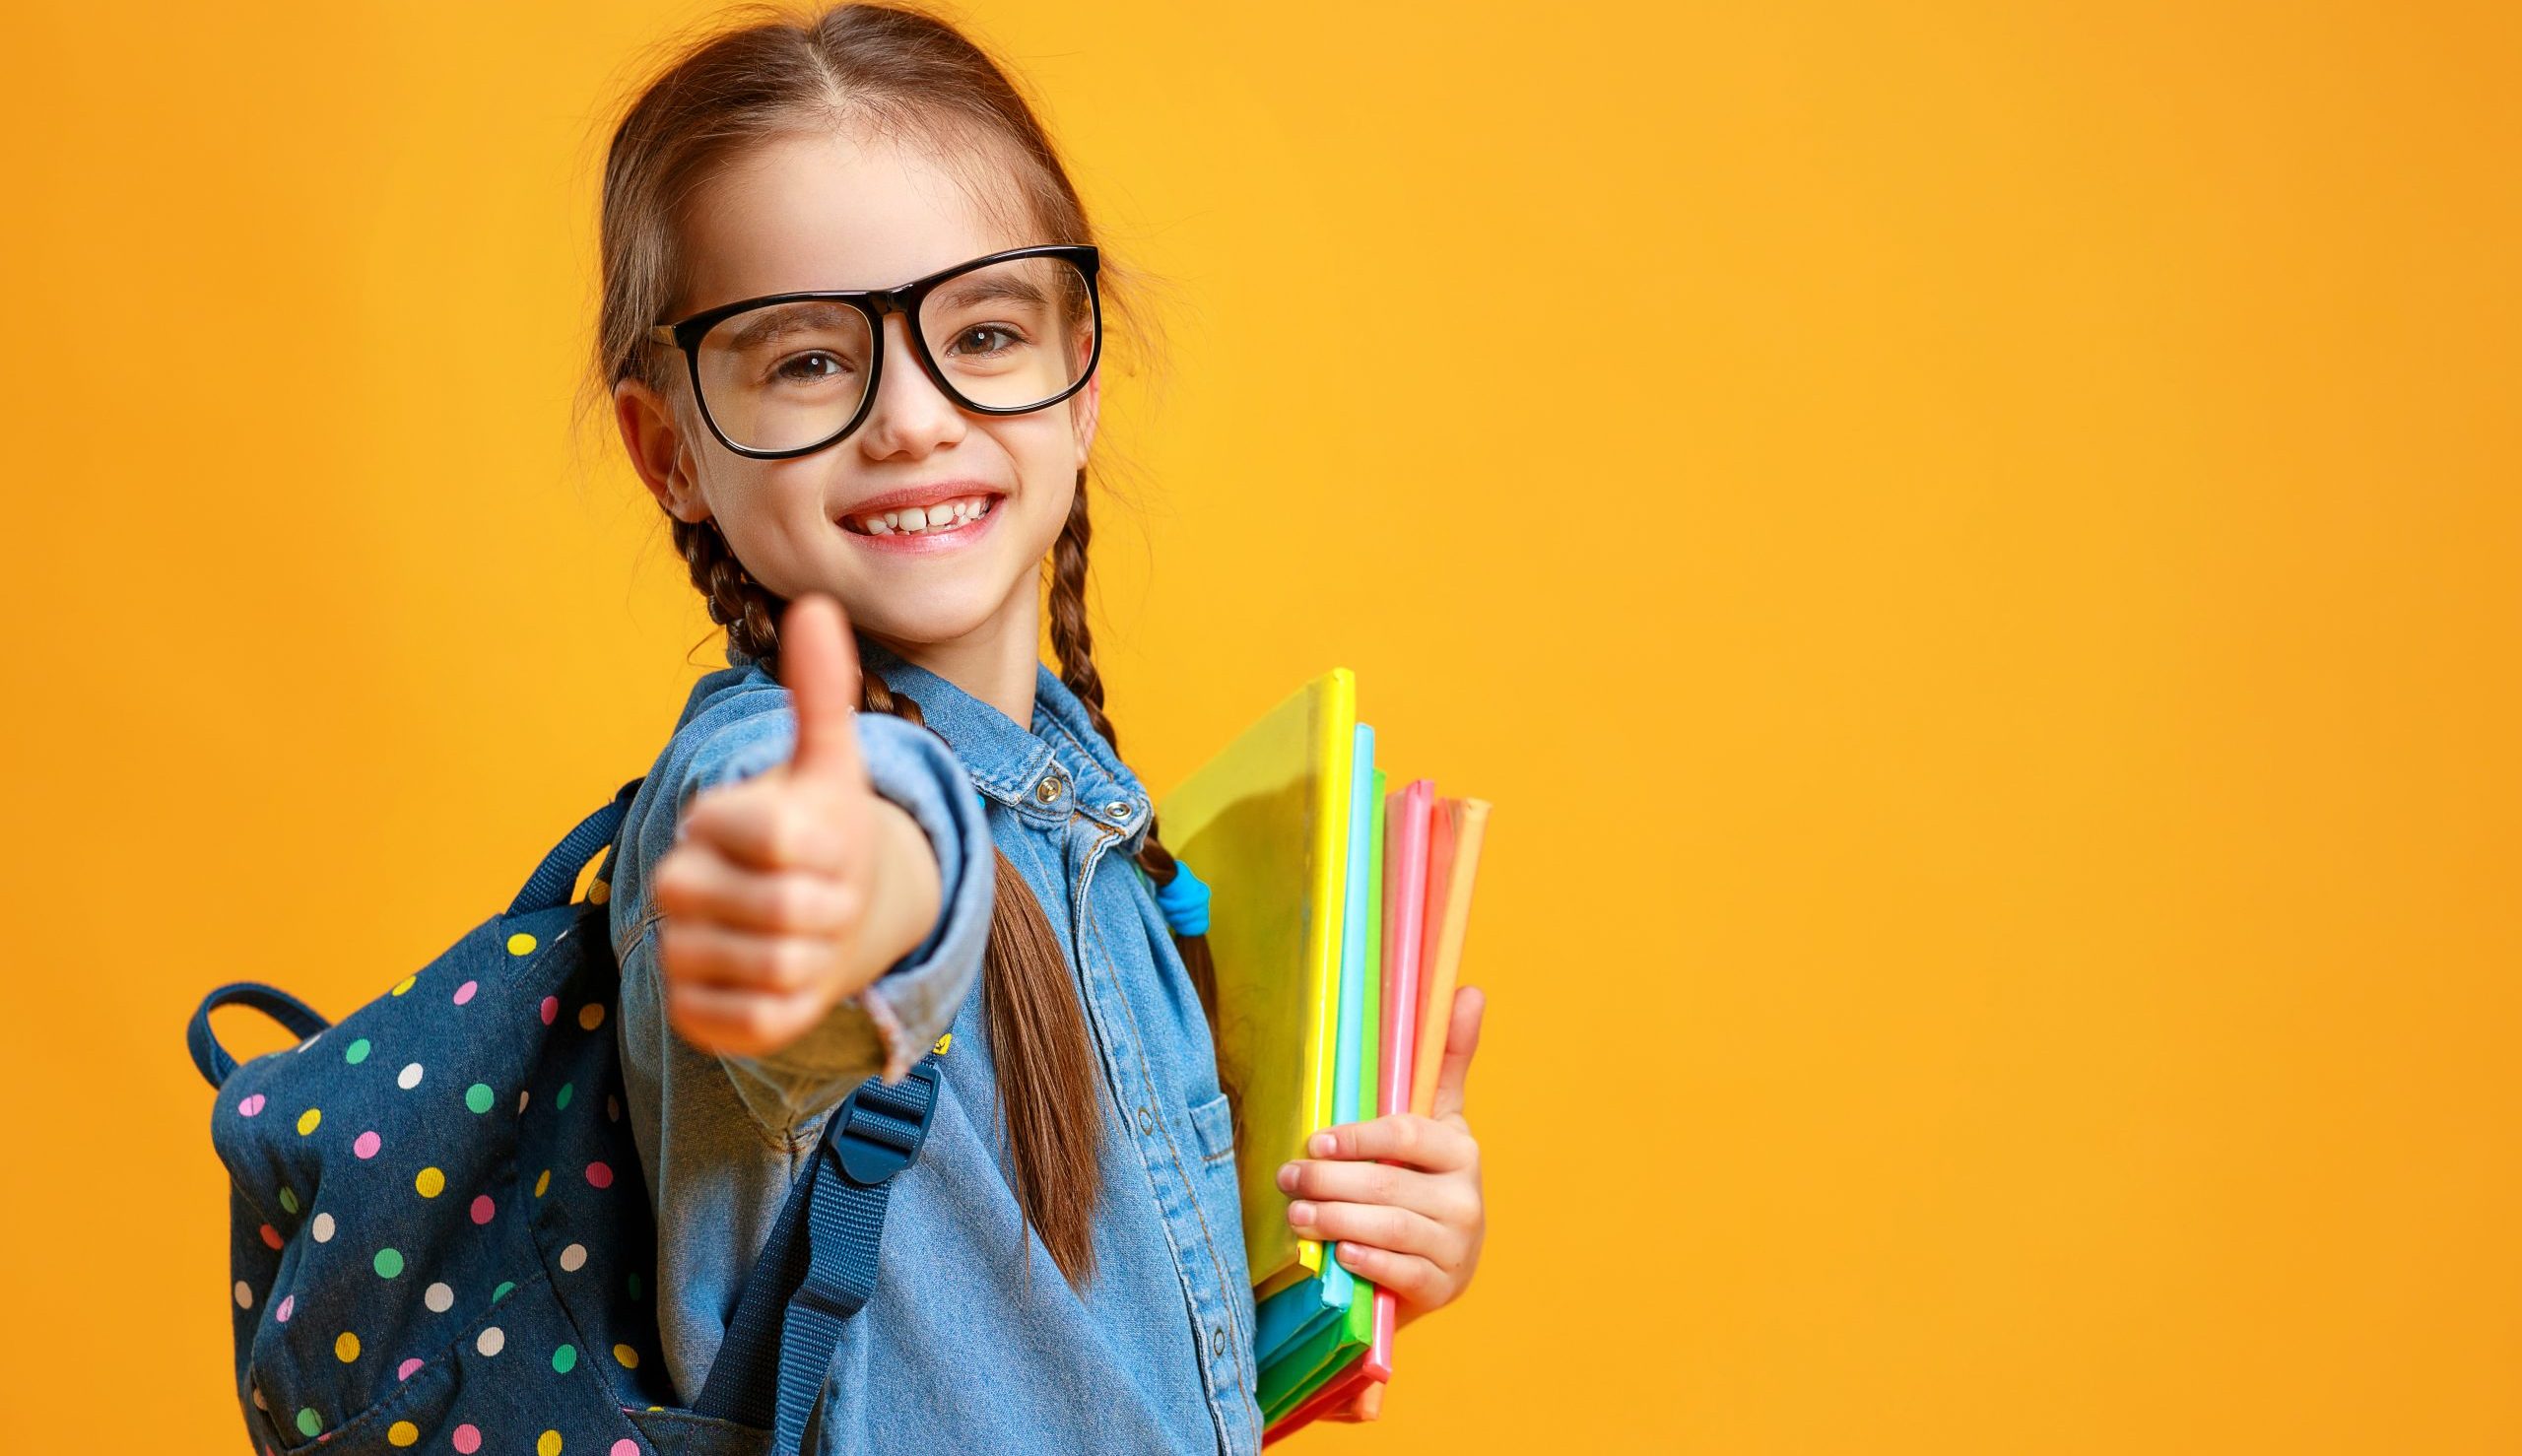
(1058, 768)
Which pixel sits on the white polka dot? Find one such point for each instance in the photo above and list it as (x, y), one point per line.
(409, 1077)
(244, 1295)
(493, 1341)
(323, 1227)
(438, 1298)
(574, 1257)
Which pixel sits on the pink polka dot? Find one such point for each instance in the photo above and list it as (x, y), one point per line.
(271, 1236)
(464, 993)
(367, 1143)
(483, 1209)
(626, 1447)
(287, 1307)
(404, 1371)
(251, 1105)
(600, 1175)
(467, 1439)
(551, 1008)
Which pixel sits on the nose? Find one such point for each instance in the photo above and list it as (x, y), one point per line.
(911, 415)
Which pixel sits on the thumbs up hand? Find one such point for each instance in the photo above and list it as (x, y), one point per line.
(790, 891)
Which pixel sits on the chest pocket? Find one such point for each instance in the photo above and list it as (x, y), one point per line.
(1213, 1123)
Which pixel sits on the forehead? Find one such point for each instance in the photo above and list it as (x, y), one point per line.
(832, 211)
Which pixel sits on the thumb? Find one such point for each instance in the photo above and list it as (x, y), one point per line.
(819, 666)
(1462, 1038)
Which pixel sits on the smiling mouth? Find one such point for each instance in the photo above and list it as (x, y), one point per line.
(914, 520)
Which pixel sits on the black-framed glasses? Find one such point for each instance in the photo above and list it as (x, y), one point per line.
(786, 375)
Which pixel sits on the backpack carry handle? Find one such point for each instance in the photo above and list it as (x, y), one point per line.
(550, 886)
(302, 1019)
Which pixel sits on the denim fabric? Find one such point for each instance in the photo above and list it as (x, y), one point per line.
(967, 1341)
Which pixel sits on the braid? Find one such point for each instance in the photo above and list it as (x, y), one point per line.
(1073, 640)
(1049, 1092)
(746, 608)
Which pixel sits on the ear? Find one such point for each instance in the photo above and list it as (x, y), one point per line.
(655, 445)
(1085, 408)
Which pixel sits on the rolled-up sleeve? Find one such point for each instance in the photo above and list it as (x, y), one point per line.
(887, 1025)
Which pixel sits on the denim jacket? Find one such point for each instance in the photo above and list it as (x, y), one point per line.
(960, 1347)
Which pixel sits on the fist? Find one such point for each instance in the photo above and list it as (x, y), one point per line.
(766, 893)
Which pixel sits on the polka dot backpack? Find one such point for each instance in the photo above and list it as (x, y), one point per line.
(441, 1237)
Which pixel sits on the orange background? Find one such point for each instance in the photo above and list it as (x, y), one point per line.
(1974, 546)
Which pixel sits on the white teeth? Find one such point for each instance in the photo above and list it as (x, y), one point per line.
(912, 519)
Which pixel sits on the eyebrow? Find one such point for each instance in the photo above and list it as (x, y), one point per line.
(989, 288)
(784, 318)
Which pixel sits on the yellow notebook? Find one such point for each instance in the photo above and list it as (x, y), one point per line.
(1265, 824)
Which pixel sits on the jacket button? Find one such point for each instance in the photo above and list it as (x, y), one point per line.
(1048, 789)
(1219, 1346)
(1120, 809)
(1147, 1119)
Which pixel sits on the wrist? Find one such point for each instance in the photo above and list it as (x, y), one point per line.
(904, 893)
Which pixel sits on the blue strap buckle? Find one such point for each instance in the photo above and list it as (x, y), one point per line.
(879, 1129)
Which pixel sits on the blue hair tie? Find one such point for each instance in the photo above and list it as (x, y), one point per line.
(1184, 902)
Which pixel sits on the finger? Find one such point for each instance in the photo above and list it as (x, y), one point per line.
(1370, 1401)
(1437, 1195)
(742, 1023)
(1411, 1277)
(1462, 1038)
(696, 882)
(1403, 1137)
(704, 954)
(764, 823)
(819, 666)
(1382, 1224)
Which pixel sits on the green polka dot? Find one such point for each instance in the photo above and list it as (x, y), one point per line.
(506, 1288)
(634, 1283)
(565, 1359)
(478, 1097)
(355, 1052)
(389, 1263)
(308, 1423)
(567, 1090)
(287, 1201)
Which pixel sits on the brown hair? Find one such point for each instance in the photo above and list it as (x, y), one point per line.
(907, 74)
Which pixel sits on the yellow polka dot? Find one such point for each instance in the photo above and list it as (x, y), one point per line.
(520, 942)
(943, 1042)
(405, 984)
(307, 1119)
(600, 891)
(402, 1434)
(431, 1182)
(591, 1014)
(346, 1348)
(626, 1357)
(542, 1182)
(547, 1445)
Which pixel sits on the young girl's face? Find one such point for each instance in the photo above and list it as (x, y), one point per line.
(851, 212)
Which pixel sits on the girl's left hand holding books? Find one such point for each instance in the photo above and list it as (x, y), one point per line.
(1399, 1194)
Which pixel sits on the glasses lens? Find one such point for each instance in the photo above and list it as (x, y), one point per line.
(1013, 335)
(785, 375)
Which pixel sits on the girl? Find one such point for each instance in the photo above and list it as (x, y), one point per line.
(865, 488)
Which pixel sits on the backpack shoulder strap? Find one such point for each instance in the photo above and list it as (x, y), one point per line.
(819, 1265)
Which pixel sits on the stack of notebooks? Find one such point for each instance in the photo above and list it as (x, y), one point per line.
(1337, 914)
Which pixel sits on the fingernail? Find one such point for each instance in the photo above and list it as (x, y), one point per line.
(1321, 1145)
(1299, 1211)
(1287, 1178)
